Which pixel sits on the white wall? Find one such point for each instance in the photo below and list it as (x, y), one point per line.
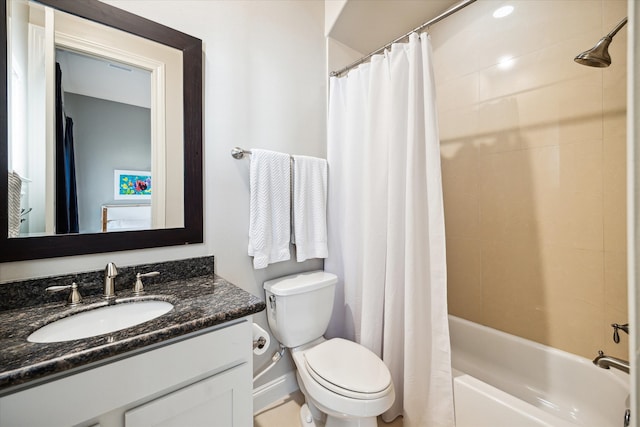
(332, 10)
(264, 87)
(633, 195)
(103, 131)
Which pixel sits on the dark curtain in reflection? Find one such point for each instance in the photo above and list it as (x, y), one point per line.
(66, 195)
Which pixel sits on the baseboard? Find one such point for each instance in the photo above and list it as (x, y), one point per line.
(273, 391)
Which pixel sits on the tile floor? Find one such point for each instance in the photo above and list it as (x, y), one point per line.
(286, 414)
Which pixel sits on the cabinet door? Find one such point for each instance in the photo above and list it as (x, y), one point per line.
(222, 400)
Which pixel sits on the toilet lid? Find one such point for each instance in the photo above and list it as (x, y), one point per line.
(348, 369)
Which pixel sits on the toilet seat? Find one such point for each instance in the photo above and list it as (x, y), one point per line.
(335, 404)
(348, 369)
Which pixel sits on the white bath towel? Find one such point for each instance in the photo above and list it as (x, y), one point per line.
(270, 207)
(310, 207)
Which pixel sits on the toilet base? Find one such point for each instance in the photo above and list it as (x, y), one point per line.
(306, 418)
(351, 422)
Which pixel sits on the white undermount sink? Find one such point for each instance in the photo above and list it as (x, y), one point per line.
(100, 321)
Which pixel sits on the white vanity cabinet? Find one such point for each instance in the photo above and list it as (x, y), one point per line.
(203, 379)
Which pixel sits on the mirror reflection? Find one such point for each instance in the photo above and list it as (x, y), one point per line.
(95, 129)
(105, 111)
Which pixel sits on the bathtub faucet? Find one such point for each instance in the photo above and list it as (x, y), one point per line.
(605, 362)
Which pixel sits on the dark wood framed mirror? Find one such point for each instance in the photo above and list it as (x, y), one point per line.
(50, 246)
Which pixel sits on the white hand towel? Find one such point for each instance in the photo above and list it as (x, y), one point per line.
(310, 207)
(270, 207)
(14, 193)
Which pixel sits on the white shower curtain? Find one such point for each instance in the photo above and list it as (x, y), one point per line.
(386, 226)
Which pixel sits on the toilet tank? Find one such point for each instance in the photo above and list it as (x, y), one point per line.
(299, 306)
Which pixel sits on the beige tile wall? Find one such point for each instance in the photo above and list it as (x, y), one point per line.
(533, 157)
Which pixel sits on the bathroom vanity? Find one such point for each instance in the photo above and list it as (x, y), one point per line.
(190, 366)
(201, 380)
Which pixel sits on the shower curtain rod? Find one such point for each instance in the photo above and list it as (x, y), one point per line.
(438, 18)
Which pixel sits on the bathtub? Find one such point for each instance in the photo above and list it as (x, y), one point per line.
(503, 380)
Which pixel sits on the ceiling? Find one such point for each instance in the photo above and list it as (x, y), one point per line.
(87, 75)
(366, 25)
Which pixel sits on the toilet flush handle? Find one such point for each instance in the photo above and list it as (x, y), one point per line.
(272, 301)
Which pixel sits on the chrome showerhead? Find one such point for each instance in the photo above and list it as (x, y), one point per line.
(598, 56)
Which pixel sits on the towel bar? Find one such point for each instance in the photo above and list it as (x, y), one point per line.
(238, 153)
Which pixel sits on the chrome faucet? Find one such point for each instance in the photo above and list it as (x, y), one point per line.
(605, 362)
(110, 273)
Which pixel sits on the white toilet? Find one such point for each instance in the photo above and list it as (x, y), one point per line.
(344, 383)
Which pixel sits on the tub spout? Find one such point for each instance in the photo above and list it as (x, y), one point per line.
(605, 362)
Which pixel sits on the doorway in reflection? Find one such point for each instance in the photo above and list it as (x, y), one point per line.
(112, 131)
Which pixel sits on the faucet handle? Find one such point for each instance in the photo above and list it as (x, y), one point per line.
(138, 288)
(74, 297)
(616, 327)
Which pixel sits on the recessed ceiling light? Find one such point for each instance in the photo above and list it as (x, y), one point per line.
(503, 11)
(506, 62)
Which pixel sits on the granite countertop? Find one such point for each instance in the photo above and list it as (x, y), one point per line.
(199, 303)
